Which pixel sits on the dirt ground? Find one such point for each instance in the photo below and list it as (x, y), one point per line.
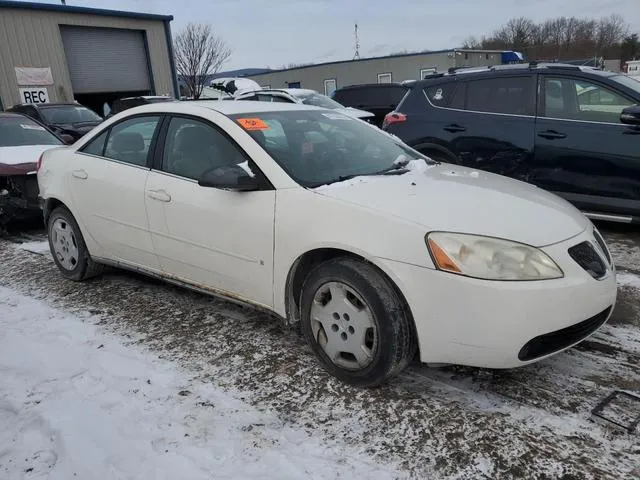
(449, 422)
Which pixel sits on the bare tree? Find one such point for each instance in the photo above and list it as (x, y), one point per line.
(198, 54)
(472, 43)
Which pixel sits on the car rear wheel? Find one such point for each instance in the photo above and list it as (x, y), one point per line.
(68, 248)
(355, 322)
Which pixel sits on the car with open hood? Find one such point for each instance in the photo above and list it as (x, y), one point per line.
(379, 253)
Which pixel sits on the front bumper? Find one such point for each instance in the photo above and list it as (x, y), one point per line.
(484, 323)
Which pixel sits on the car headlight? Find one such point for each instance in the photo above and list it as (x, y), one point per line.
(490, 258)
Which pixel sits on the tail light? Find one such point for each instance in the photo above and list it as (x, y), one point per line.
(393, 117)
(39, 164)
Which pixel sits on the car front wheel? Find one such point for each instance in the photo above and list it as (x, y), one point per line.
(356, 323)
(68, 248)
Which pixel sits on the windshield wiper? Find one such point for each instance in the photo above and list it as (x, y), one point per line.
(396, 168)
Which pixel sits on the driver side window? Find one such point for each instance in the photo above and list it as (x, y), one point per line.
(193, 147)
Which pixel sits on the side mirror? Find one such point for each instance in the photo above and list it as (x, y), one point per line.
(631, 115)
(231, 177)
(67, 139)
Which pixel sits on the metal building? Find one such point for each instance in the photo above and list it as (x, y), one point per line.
(326, 77)
(62, 53)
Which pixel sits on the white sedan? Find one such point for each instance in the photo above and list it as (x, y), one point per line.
(379, 252)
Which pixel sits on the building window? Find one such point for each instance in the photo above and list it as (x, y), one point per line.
(329, 86)
(384, 78)
(466, 56)
(427, 71)
(293, 84)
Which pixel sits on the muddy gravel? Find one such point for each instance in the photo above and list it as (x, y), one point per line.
(453, 422)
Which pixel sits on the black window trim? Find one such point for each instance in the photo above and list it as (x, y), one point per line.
(465, 81)
(158, 151)
(540, 104)
(107, 130)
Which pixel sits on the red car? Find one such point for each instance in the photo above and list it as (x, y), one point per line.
(22, 141)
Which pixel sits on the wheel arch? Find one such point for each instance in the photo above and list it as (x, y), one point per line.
(426, 147)
(49, 205)
(306, 262)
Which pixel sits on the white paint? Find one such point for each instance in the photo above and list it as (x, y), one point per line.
(22, 154)
(77, 403)
(34, 95)
(245, 243)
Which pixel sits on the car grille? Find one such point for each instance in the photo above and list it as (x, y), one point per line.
(560, 339)
(587, 257)
(602, 245)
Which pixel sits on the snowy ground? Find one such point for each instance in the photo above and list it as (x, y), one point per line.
(254, 402)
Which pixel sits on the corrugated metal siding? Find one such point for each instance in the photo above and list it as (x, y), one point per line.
(31, 38)
(97, 57)
(366, 71)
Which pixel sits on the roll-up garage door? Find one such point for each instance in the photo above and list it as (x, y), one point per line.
(105, 59)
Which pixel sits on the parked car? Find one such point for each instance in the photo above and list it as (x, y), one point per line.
(304, 96)
(322, 219)
(61, 118)
(122, 104)
(22, 141)
(377, 98)
(574, 131)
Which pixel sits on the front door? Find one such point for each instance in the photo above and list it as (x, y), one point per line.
(213, 238)
(107, 183)
(583, 152)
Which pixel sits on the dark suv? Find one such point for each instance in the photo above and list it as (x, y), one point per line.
(70, 119)
(574, 131)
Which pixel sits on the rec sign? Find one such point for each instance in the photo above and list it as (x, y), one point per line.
(34, 95)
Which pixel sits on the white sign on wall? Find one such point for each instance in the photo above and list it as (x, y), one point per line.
(34, 95)
(34, 76)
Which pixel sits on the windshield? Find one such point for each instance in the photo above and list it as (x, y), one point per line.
(18, 131)
(318, 100)
(317, 148)
(69, 114)
(628, 82)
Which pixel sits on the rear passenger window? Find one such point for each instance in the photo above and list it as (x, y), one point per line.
(441, 95)
(96, 146)
(130, 141)
(509, 95)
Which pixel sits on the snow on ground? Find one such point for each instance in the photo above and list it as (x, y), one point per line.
(37, 246)
(76, 403)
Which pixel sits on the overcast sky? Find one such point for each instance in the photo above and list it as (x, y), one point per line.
(273, 33)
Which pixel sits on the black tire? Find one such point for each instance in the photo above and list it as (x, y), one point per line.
(396, 344)
(85, 267)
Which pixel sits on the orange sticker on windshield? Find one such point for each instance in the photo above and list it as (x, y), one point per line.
(253, 124)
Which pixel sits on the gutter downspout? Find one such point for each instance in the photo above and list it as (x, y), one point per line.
(172, 60)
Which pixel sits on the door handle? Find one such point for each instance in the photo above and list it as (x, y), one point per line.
(551, 135)
(159, 195)
(455, 128)
(81, 174)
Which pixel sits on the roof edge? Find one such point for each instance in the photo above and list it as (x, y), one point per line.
(399, 55)
(86, 10)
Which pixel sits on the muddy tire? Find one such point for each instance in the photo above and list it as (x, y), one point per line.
(355, 322)
(67, 247)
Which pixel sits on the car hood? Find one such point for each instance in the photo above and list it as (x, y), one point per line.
(354, 112)
(456, 199)
(25, 154)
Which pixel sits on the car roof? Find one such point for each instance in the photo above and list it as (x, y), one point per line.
(515, 68)
(226, 108)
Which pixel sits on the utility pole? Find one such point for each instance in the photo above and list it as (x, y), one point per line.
(357, 39)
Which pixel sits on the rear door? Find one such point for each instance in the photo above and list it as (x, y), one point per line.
(489, 123)
(107, 179)
(583, 152)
